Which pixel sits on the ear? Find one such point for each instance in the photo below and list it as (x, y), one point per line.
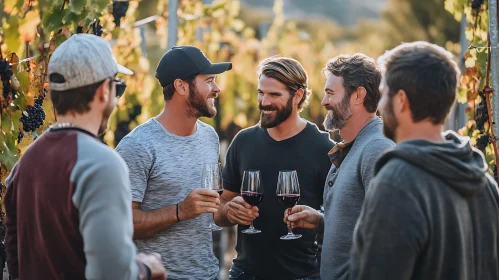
(298, 96)
(102, 94)
(401, 102)
(181, 87)
(358, 96)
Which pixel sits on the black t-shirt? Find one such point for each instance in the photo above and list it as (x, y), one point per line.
(264, 254)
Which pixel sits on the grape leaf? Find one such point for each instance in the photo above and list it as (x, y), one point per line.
(16, 116)
(6, 122)
(100, 4)
(54, 21)
(77, 6)
(9, 155)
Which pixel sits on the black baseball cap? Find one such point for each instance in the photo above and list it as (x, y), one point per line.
(183, 62)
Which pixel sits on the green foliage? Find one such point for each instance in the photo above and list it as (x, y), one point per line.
(475, 68)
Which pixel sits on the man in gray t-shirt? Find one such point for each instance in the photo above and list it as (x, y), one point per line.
(165, 156)
(351, 98)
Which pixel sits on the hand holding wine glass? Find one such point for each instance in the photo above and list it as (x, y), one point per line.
(288, 193)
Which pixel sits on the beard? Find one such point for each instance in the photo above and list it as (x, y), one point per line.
(199, 106)
(282, 114)
(338, 115)
(390, 123)
(105, 118)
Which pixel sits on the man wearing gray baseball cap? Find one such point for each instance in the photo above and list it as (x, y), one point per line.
(166, 155)
(68, 213)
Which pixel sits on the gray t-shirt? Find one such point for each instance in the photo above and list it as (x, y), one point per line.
(164, 169)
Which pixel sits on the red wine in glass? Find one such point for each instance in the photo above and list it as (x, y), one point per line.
(219, 191)
(252, 198)
(288, 193)
(288, 200)
(252, 193)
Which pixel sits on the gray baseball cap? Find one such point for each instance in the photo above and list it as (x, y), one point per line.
(82, 60)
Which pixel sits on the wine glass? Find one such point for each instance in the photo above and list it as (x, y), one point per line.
(288, 193)
(212, 180)
(252, 193)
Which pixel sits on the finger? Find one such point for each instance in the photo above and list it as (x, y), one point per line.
(241, 215)
(239, 200)
(240, 221)
(211, 210)
(157, 255)
(297, 209)
(243, 211)
(205, 205)
(297, 216)
(207, 192)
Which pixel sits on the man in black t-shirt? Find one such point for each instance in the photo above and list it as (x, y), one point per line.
(281, 141)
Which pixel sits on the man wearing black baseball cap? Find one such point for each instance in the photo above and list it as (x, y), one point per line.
(165, 156)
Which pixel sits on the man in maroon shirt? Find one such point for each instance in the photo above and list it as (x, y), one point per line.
(68, 213)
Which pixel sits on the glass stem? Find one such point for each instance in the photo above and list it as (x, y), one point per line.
(213, 219)
(290, 232)
(251, 226)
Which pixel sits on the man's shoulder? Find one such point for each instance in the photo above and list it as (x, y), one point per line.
(318, 135)
(248, 133)
(90, 148)
(399, 172)
(207, 129)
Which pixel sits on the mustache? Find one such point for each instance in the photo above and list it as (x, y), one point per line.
(330, 108)
(267, 108)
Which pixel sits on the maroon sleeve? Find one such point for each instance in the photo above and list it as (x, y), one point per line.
(11, 227)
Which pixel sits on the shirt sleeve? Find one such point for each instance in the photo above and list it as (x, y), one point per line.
(102, 197)
(231, 176)
(390, 233)
(139, 162)
(368, 158)
(10, 202)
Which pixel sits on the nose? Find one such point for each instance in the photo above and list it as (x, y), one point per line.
(264, 100)
(325, 101)
(216, 88)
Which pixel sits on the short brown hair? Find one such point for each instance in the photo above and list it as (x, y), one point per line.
(357, 70)
(289, 72)
(427, 74)
(169, 89)
(76, 99)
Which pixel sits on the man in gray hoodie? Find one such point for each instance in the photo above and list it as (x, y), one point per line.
(431, 211)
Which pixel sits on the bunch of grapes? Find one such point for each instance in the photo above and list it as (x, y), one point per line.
(119, 11)
(35, 117)
(482, 116)
(5, 74)
(476, 4)
(482, 142)
(494, 167)
(97, 28)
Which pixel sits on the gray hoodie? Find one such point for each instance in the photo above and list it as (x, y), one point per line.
(431, 212)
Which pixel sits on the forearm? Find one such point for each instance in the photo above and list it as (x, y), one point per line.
(148, 223)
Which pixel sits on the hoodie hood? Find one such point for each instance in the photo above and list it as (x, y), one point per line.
(461, 166)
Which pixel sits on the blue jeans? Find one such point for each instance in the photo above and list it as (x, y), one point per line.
(236, 273)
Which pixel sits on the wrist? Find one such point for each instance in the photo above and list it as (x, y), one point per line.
(178, 211)
(320, 221)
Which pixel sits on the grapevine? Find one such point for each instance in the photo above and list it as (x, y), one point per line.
(34, 116)
(119, 11)
(6, 74)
